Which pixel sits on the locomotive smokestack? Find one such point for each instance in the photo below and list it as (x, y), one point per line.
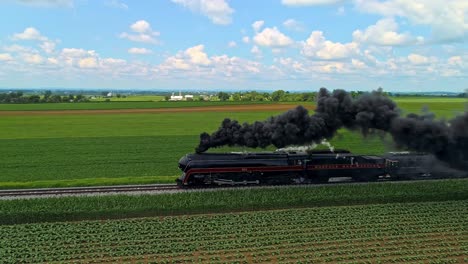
(448, 141)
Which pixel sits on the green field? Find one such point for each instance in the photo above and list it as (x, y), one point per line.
(100, 149)
(117, 105)
(394, 233)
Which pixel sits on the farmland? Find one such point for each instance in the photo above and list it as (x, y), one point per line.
(42, 150)
(396, 233)
(390, 222)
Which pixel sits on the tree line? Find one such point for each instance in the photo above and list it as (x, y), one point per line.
(48, 97)
(276, 96)
(284, 96)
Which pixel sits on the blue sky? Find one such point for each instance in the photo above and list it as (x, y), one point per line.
(418, 45)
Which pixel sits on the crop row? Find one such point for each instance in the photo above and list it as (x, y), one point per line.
(323, 220)
(345, 239)
(123, 206)
(135, 239)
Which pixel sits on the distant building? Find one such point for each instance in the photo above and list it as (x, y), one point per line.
(109, 94)
(176, 97)
(180, 97)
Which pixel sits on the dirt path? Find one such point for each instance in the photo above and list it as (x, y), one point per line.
(226, 108)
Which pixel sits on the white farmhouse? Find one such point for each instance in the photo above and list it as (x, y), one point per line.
(176, 97)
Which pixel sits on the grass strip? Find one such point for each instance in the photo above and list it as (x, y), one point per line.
(124, 206)
(88, 182)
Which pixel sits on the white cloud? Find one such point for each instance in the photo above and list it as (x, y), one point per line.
(89, 62)
(197, 55)
(358, 64)
(32, 33)
(257, 25)
(33, 58)
(144, 33)
(341, 11)
(272, 37)
(309, 2)
(293, 24)
(245, 39)
(447, 18)
(18, 49)
(455, 60)
(112, 62)
(47, 3)
(116, 4)
(417, 59)
(384, 33)
(332, 67)
(141, 26)
(48, 46)
(317, 46)
(139, 38)
(53, 61)
(192, 63)
(175, 63)
(232, 44)
(139, 51)
(218, 11)
(5, 57)
(192, 58)
(256, 51)
(29, 33)
(74, 53)
(81, 58)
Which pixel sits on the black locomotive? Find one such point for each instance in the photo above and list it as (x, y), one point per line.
(270, 168)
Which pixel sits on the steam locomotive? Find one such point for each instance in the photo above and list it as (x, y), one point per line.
(283, 167)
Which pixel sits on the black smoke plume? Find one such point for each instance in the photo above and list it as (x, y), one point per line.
(448, 141)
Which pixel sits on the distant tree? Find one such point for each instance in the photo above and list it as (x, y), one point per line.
(119, 95)
(307, 97)
(55, 99)
(80, 98)
(47, 94)
(236, 96)
(34, 99)
(223, 96)
(278, 95)
(167, 97)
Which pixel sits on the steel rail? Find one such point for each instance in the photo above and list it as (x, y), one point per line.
(86, 190)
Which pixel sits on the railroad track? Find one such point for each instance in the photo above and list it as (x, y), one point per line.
(161, 188)
(88, 190)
